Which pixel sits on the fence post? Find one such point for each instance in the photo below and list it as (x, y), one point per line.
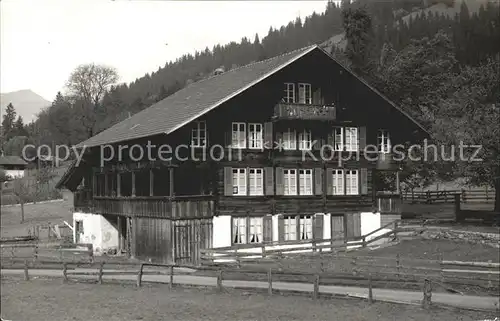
(219, 281)
(35, 254)
(397, 264)
(101, 268)
(458, 214)
(65, 272)
(270, 282)
(26, 276)
(370, 288)
(60, 252)
(12, 254)
(316, 287)
(263, 250)
(426, 302)
(353, 262)
(171, 284)
(139, 276)
(490, 285)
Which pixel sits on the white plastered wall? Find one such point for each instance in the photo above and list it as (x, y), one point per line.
(97, 230)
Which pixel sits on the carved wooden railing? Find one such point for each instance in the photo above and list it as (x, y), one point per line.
(304, 111)
(177, 207)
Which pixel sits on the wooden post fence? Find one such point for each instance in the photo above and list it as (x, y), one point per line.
(26, 276)
(139, 276)
(171, 284)
(219, 281)
(65, 272)
(370, 288)
(101, 268)
(270, 282)
(426, 301)
(316, 287)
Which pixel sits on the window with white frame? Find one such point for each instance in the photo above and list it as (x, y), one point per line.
(290, 181)
(338, 138)
(289, 140)
(351, 138)
(338, 182)
(351, 182)
(305, 182)
(305, 231)
(256, 178)
(239, 230)
(289, 93)
(290, 228)
(255, 137)
(199, 134)
(384, 141)
(255, 234)
(305, 93)
(305, 140)
(239, 137)
(239, 181)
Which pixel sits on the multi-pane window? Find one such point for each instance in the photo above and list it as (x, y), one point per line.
(351, 182)
(290, 181)
(199, 134)
(289, 93)
(305, 93)
(290, 228)
(338, 138)
(305, 182)
(239, 230)
(255, 234)
(239, 138)
(255, 137)
(289, 140)
(239, 181)
(305, 140)
(338, 182)
(384, 141)
(305, 231)
(256, 178)
(351, 138)
(301, 231)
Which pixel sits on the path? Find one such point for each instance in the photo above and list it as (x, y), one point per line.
(397, 296)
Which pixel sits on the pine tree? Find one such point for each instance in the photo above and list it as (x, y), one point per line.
(8, 122)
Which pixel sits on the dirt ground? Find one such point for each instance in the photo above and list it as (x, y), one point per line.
(43, 299)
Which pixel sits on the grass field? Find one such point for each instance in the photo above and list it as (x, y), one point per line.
(41, 213)
(50, 300)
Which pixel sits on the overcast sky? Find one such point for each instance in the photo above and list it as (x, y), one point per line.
(42, 41)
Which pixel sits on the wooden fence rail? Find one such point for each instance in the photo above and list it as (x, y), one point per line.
(466, 196)
(316, 279)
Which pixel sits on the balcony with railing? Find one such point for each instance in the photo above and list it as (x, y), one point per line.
(288, 111)
(175, 207)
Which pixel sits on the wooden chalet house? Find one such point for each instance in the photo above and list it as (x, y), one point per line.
(245, 162)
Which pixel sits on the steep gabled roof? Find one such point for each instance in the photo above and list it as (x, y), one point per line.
(193, 101)
(197, 99)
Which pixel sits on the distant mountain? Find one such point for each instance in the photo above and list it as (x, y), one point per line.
(26, 103)
(449, 10)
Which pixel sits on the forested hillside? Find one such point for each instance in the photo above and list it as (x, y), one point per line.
(433, 63)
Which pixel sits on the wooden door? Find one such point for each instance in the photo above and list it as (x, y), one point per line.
(338, 228)
(352, 225)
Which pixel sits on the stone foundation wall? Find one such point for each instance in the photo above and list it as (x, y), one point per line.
(489, 239)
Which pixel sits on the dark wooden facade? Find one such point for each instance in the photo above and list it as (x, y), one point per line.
(169, 203)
